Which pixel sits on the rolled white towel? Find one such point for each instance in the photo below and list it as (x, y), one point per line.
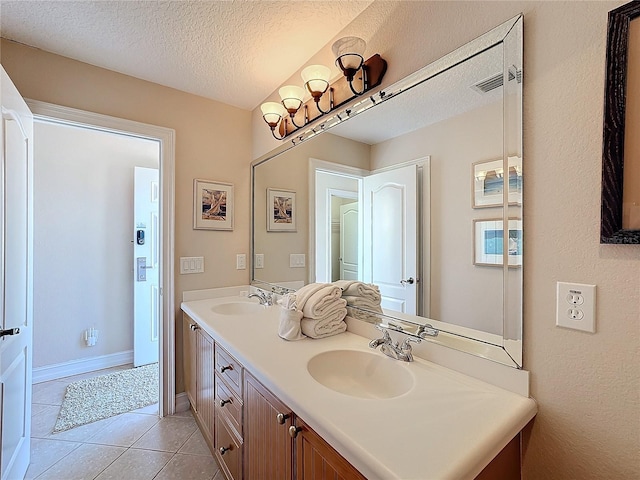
(303, 294)
(324, 328)
(289, 327)
(323, 302)
(361, 289)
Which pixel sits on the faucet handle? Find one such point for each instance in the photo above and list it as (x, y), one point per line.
(405, 344)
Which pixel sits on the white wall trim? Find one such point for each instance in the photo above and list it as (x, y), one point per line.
(166, 137)
(82, 365)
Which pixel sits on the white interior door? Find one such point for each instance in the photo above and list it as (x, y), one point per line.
(16, 222)
(390, 216)
(146, 264)
(349, 241)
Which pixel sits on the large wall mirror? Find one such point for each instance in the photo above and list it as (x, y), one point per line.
(418, 189)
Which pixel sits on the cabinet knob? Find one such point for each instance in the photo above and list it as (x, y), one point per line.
(194, 327)
(225, 368)
(293, 431)
(224, 450)
(282, 417)
(224, 402)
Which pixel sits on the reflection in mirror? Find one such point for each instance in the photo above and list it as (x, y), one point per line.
(413, 195)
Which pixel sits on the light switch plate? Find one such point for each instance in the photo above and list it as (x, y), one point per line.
(576, 306)
(241, 261)
(297, 260)
(191, 265)
(259, 263)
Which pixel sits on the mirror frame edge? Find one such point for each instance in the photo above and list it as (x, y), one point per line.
(615, 91)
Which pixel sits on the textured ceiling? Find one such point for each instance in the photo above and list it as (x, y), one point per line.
(236, 52)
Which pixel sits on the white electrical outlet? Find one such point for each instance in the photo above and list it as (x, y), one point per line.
(241, 261)
(259, 263)
(576, 306)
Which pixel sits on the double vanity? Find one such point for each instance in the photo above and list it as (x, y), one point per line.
(270, 408)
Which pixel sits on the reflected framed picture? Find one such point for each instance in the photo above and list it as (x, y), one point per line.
(212, 205)
(489, 242)
(281, 210)
(488, 183)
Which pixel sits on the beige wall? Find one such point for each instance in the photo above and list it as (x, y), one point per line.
(83, 192)
(587, 386)
(212, 142)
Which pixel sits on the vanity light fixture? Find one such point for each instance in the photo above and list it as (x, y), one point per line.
(349, 52)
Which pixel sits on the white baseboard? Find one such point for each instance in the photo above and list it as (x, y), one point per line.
(85, 365)
(182, 402)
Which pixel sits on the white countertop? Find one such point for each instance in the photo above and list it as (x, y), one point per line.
(448, 426)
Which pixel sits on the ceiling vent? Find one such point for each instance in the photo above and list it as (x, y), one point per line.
(495, 81)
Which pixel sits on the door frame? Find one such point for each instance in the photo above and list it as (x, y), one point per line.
(316, 165)
(166, 137)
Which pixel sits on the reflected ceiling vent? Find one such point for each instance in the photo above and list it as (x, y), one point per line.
(495, 81)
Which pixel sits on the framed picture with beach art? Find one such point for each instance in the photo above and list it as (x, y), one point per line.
(489, 242)
(281, 210)
(212, 205)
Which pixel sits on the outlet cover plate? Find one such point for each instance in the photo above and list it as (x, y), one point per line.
(576, 306)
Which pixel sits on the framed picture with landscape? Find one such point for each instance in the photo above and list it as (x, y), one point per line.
(281, 210)
(212, 205)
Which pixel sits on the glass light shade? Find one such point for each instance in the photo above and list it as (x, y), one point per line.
(291, 96)
(316, 78)
(350, 52)
(272, 112)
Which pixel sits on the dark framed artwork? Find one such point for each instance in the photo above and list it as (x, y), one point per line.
(617, 221)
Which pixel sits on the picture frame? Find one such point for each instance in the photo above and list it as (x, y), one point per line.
(487, 183)
(212, 205)
(488, 242)
(281, 210)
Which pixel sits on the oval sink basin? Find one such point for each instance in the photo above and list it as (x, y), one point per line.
(361, 374)
(237, 308)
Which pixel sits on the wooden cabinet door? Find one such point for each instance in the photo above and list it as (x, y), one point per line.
(189, 358)
(205, 378)
(268, 447)
(317, 460)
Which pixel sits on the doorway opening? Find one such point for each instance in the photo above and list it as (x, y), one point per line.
(98, 246)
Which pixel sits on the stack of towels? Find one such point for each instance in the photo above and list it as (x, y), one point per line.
(320, 309)
(362, 295)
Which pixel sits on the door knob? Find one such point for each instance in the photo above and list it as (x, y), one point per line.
(409, 281)
(9, 331)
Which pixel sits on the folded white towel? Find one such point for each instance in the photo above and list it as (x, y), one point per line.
(289, 327)
(324, 328)
(362, 302)
(322, 302)
(355, 288)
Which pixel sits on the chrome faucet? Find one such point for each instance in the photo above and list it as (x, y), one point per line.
(263, 298)
(394, 349)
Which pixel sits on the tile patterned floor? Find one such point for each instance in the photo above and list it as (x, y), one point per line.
(135, 446)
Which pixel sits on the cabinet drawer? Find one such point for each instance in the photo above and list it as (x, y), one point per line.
(229, 404)
(228, 450)
(230, 370)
